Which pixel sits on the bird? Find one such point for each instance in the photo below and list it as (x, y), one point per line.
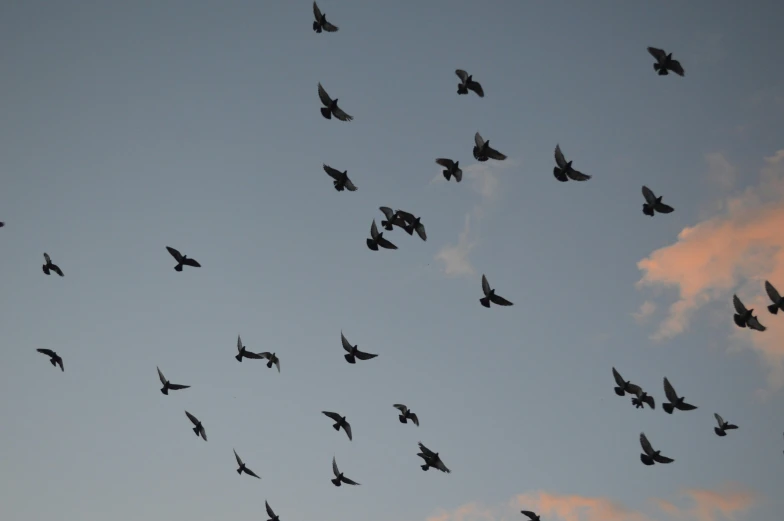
(490, 296)
(624, 386)
(242, 352)
(339, 477)
(2, 224)
(273, 359)
(452, 169)
(242, 467)
(483, 151)
(340, 421)
(467, 83)
(321, 23)
(531, 515)
(393, 218)
(330, 107)
(270, 513)
(377, 239)
(675, 401)
(432, 459)
(182, 260)
(50, 266)
(723, 427)
(649, 456)
(413, 224)
(665, 63)
(642, 398)
(54, 358)
(563, 170)
(341, 180)
(406, 414)
(198, 427)
(653, 203)
(744, 317)
(353, 351)
(167, 385)
(778, 301)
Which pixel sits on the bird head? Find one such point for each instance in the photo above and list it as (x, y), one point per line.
(669, 56)
(469, 78)
(457, 163)
(569, 165)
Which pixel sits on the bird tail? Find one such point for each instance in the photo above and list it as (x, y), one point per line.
(719, 432)
(269, 364)
(239, 471)
(326, 112)
(339, 187)
(461, 89)
(164, 390)
(336, 426)
(619, 391)
(387, 225)
(773, 308)
(409, 230)
(238, 357)
(425, 466)
(51, 361)
(349, 357)
(663, 71)
(636, 402)
(738, 320)
(646, 460)
(668, 407)
(178, 267)
(647, 209)
(402, 419)
(316, 27)
(485, 302)
(656, 66)
(371, 244)
(335, 482)
(196, 430)
(447, 175)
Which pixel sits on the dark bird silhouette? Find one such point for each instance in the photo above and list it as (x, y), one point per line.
(778, 301)
(643, 398)
(674, 401)
(321, 23)
(377, 239)
(467, 83)
(272, 359)
(167, 385)
(432, 459)
(393, 218)
(452, 169)
(649, 456)
(270, 513)
(483, 151)
(340, 421)
(490, 296)
(341, 180)
(339, 477)
(54, 358)
(242, 352)
(531, 515)
(198, 427)
(665, 63)
(353, 351)
(406, 414)
(242, 468)
(413, 224)
(653, 203)
(723, 427)
(330, 107)
(50, 266)
(182, 260)
(2, 224)
(563, 170)
(624, 386)
(744, 317)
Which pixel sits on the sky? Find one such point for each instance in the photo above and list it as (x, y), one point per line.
(126, 127)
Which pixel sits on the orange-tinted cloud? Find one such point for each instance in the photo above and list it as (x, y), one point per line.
(706, 505)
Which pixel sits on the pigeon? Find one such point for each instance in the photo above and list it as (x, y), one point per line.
(467, 83)
(273, 359)
(339, 477)
(341, 180)
(321, 23)
(167, 385)
(452, 169)
(270, 513)
(198, 427)
(54, 358)
(653, 203)
(665, 63)
(624, 386)
(675, 402)
(483, 151)
(743, 317)
(244, 353)
(243, 468)
(340, 421)
(432, 459)
(50, 266)
(643, 398)
(490, 296)
(563, 170)
(353, 351)
(2, 224)
(649, 456)
(406, 414)
(330, 107)
(723, 427)
(182, 260)
(412, 224)
(377, 239)
(393, 218)
(778, 301)
(531, 515)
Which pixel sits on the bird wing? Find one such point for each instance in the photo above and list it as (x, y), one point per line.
(373, 230)
(739, 307)
(192, 418)
(191, 262)
(400, 407)
(252, 355)
(335, 416)
(476, 87)
(528, 513)
(669, 391)
(618, 379)
(47, 352)
(663, 208)
(730, 426)
(250, 472)
(560, 160)
(428, 453)
(754, 323)
(239, 460)
(177, 387)
(772, 292)
(463, 75)
(662, 459)
(650, 198)
(440, 466)
(686, 407)
(329, 27)
(421, 232)
(174, 253)
(59, 362)
(446, 163)
(266, 354)
(341, 115)
(414, 419)
(576, 175)
(388, 212)
(650, 401)
(335, 467)
(719, 419)
(363, 355)
(316, 12)
(634, 389)
(350, 186)
(239, 343)
(346, 345)
(406, 216)
(57, 269)
(659, 54)
(325, 99)
(458, 175)
(160, 375)
(478, 141)
(386, 244)
(495, 154)
(266, 505)
(485, 285)
(347, 428)
(675, 66)
(646, 445)
(203, 433)
(348, 481)
(333, 173)
(48, 259)
(499, 300)
(277, 363)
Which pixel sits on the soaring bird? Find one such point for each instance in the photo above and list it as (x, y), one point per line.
(432, 459)
(665, 63)
(242, 352)
(452, 169)
(273, 359)
(483, 151)
(50, 266)
(340, 421)
(341, 180)
(2, 224)
(649, 456)
(723, 427)
(531, 515)
(54, 358)
(653, 203)
(377, 239)
(563, 170)
(642, 398)
(182, 260)
(330, 107)
(413, 224)
(353, 351)
(198, 427)
(339, 477)
(393, 218)
(406, 414)
(270, 513)
(321, 23)
(490, 295)
(778, 301)
(242, 468)
(743, 317)
(624, 386)
(467, 83)
(674, 401)
(167, 385)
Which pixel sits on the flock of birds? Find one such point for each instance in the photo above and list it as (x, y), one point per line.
(482, 151)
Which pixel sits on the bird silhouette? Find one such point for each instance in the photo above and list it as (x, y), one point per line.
(563, 171)
(242, 467)
(406, 414)
(624, 386)
(54, 358)
(649, 456)
(745, 317)
(321, 23)
(270, 513)
(393, 218)
(341, 180)
(167, 385)
(242, 352)
(272, 359)
(377, 239)
(50, 266)
(353, 351)
(531, 515)
(483, 151)
(339, 477)
(330, 107)
(413, 224)
(452, 169)
(642, 398)
(198, 427)
(490, 295)
(182, 260)
(675, 401)
(778, 301)
(665, 63)
(653, 203)
(340, 421)
(432, 459)
(467, 83)
(723, 427)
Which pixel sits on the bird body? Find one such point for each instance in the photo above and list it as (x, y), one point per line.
(467, 83)
(330, 107)
(745, 317)
(242, 352)
(675, 401)
(483, 151)
(432, 459)
(182, 260)
(353, 351)
(664, 62)
(413, 224)
(340, 422)
(723, 427)
(624, 386)
(650, 456)
(653, 203)
(393, 218)
(272, 359)
(339, 476)
(242, 467)
(452, 169)
(490, 296)
(54, 358)
(49, 266)
(406, 414)
(377, 239)
(340, 179)
(167, 385)
(198, 427)
(321, 23)
(563, 170)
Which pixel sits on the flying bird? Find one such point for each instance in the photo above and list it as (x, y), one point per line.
(273, 359)
(624, 386)
(167, 385)
(2, 224)
(54, 358)
(643, 398)
(432, 459)
(665, 63)
(198, 427)
(723, 427)
(377, 239)
(182, 260)
(413, 224)
(563, 170)
(339, 477)
(483, 151)
(744, 317)
(321, 23)
(406, 414)
(243, 468)
(649, 456)
(778, 301)
(50, 266)
(531, 515)
(341, 180)
(653, 203)
(330, 107)
(674, 401)
(452, 169)
(393, 218)
(353, 351)
(467, 83)
(490, 295)
(242, 352)
(340, 421)
(270, 513)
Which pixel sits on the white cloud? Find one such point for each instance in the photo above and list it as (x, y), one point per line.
(455, 257)
(647, 309)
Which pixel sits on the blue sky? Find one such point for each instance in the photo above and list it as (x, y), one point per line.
(130, 126)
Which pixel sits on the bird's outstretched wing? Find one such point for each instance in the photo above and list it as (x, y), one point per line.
(47, 352)
(400, 407)
(325, 99)
(335, 416)
(659, 54)
(341, 115)
(428, 453)
(363, 355)
(446, 163)
(374, 230)
(663, 208)
(669, 391)
(191, 262)
(495, 154)
(316, 12)
(177, 387)
(332, 172)
(335, 467)
(560, 160)
(252, 355)
(348, 481)
(648, 194)
(330, 28)
(48, 259)
(646, 445)
(463, 75)
(576, 175)
(346, 344)
(478, 141)
(251, 473)
(476, 87)
(755, 324)
(192, 418)
(772, 292)
(499, 300)
(739, 307)
(618, 379)
(266, 505)
(161, 377)
(350, 186)
(237, 457)
(347, 428)
(485, 286)
(675, 66)
(414, 418)
(174, 253)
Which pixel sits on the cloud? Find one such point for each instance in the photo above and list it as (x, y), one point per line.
(647, 309)
(710, 505)
(721, 171)
(455, 257)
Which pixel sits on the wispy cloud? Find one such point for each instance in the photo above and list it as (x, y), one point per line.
(647, 309)
(455, 256)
